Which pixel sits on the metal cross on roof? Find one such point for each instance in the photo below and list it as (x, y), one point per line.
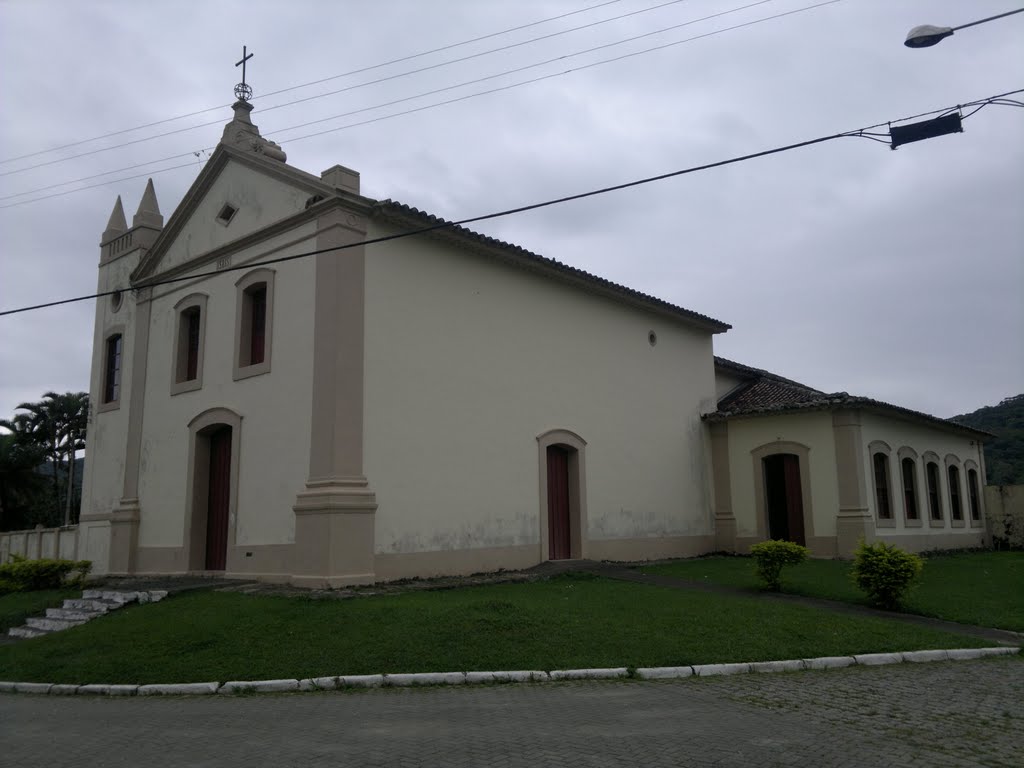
(242, 91)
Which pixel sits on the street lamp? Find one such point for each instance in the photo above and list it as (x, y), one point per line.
(927, 35)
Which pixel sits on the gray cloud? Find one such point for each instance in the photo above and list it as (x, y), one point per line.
(891, 274)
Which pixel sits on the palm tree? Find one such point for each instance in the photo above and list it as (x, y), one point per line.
(70, 415)
(56, 426)
(39, 427)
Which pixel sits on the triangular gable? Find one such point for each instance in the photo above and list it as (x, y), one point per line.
(262, 193)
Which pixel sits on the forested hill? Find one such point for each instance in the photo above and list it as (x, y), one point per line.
(1004, 454)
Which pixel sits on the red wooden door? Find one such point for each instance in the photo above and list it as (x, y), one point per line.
(219, 500)
(559, 539)
(794, 498)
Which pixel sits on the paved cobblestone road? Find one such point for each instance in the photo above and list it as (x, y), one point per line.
(949, 714)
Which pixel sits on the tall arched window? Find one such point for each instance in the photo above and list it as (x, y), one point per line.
(972, 494)
(909, 471)
(254, 320)
(882, 479)
(955, 504)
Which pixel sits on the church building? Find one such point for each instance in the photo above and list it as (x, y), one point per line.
(287, 385)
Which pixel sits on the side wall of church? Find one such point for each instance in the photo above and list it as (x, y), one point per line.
(470, 362)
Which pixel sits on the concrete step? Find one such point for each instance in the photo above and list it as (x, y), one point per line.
(111, 595)
(73, 615)
(52, 625)
(26, 632)
(94, 606)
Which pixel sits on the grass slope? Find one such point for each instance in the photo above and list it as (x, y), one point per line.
(566, 622)
(982, 588)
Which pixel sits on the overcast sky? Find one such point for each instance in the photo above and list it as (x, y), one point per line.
(848, 266)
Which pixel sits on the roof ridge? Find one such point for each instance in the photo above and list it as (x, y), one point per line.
(529, 258)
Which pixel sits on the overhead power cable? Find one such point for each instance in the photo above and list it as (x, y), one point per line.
(856, 133)
(399, 60)
(379, 80)
(425, 107)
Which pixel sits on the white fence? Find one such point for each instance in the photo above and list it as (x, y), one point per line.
(41, 542)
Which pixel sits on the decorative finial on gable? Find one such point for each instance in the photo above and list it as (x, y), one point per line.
(148, 214)
(242, 91)
(117, 225)
(241, 133)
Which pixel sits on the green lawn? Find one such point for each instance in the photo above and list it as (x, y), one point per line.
(983, 588)
(16, 607)
(567, 622)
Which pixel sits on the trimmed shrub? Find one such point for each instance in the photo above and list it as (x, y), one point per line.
(771, 556)
(22, 575)
(885, 573)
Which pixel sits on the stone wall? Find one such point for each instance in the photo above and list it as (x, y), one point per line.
(40, 543)
(1005, 513)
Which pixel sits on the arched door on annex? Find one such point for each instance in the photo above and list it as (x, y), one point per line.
(783, 496)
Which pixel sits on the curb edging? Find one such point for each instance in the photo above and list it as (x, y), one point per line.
(415, 679)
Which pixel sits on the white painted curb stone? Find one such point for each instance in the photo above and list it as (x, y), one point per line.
(708, 670)
(425, 678)
(318, 684)
(923, 656)
(663, 673)
(32, 687)
(789, 665)
(874, 659)
(588, 674)
(102, 689)
(63, 690)
(361, 681)
(829, 662)
(259, 686)
(179, 689)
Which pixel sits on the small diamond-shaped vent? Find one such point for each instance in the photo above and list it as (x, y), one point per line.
(227, 213)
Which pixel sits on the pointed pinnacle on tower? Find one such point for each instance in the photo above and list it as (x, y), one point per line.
(117, 225)
(148, 214)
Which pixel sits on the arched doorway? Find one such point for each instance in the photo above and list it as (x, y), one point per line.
(218, 498)
(559, 514)
(783, 497)
(212, 488)
(563, 504)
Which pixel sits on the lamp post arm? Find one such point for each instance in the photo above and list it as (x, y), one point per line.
(990, 18)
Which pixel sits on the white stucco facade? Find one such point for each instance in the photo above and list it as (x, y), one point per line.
(470, 360)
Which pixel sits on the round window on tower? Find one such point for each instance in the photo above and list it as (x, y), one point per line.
(115, 300)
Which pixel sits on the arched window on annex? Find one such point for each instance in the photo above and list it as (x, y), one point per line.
(973, 492)
(908, 482)
(881, 476)
(782, 491)
(933, 489)
(562, 457)
(189, 346)
(254, 323)
(954, 484)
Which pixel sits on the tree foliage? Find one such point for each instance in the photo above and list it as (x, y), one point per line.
(47, 433)
(1004, 455)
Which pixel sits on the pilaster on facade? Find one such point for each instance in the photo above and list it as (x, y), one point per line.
(335, 520)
